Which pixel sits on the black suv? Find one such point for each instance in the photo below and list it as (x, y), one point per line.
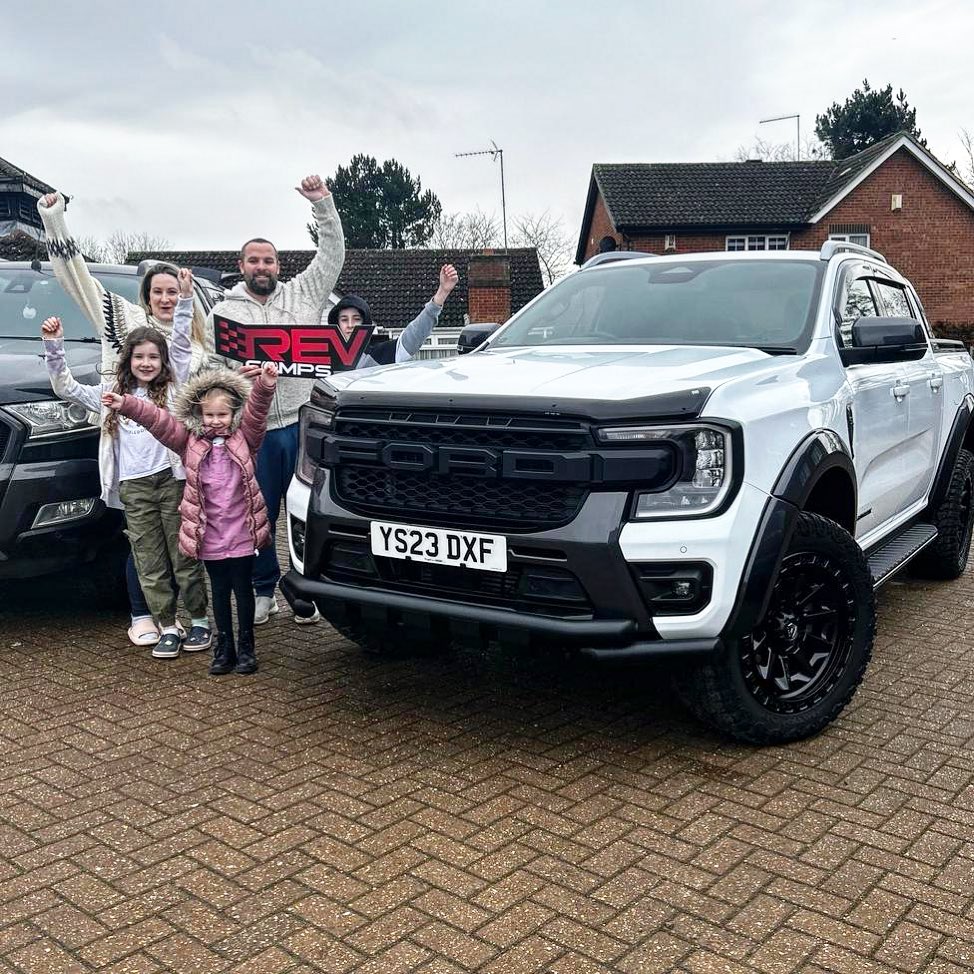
(51, 517)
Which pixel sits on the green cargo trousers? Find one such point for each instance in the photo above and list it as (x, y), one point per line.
(152, 512)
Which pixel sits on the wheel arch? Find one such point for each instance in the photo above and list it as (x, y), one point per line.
(961, 437)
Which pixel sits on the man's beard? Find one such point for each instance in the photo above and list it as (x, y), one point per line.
(261, 287)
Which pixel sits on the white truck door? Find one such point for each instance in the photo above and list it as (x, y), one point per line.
(880, 412)
(926, 399)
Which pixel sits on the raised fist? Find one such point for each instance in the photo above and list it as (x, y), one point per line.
(268, 374)
(312, 188)
(51, 328)
(185, 282)
(112, 400)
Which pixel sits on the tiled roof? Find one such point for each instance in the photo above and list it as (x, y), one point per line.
(396, 283)
(21, 246)
(8, 171)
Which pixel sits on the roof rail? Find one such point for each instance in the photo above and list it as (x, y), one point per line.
(612, 255)
(832, 247)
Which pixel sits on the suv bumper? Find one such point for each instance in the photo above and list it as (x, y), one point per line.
(599, 548)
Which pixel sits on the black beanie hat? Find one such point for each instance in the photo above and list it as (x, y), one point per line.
(351, 301)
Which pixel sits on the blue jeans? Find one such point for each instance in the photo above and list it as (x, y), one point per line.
(275, 465)
(137, 600)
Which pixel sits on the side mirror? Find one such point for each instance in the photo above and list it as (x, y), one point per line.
(473, 336)
(885, 340)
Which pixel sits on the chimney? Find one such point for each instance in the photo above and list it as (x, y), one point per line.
(489, 287)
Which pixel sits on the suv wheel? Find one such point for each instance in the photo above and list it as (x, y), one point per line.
(946, 558)
(793, 674)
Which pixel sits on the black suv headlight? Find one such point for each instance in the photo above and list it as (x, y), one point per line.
(51, 417)
(310, 415)
(705, 476)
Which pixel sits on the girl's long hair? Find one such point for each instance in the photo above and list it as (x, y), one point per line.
(125, 380)
(197, 332)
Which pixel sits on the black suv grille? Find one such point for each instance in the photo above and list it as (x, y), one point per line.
(456, 499)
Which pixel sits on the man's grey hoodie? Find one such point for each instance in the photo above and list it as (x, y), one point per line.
(300, 301)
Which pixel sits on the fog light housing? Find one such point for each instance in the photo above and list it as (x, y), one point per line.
(297, 537)
(64, 511)
(675, 588)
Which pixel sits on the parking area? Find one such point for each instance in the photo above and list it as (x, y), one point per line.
(477, 812)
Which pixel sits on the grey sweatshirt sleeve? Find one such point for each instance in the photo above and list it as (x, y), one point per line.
(417, 331)
(316, 282)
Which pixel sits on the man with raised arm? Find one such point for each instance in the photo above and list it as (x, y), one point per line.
(261, 299)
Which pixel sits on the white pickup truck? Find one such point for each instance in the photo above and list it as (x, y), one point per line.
(715, 456)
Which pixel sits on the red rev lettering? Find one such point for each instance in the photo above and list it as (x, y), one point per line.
(265, 343)
(323, 346)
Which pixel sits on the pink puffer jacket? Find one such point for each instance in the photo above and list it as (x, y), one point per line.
(182, 432)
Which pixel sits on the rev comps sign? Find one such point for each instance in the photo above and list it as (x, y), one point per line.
(297, 350)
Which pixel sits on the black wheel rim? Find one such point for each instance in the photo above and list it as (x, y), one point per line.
(796, 655)
(966, 512)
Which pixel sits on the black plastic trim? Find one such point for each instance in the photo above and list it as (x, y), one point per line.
(761, 569)
(683, 405)
(958, 431)
(818, 453)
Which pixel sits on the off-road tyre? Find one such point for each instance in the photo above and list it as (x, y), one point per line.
(946, 557)
(795, 672)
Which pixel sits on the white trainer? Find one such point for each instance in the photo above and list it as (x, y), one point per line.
(265, 606)
(308, 620)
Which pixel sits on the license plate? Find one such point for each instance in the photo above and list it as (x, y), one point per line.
(436, 546)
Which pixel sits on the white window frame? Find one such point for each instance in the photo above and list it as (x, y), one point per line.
(669, 241)
(861, 239)
(753, 242)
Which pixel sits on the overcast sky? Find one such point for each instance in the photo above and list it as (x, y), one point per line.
(194, 121)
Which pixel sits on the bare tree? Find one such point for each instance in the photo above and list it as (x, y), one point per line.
(967, 143)
(92, 248)
(466, 231)
(122, 242)
(780, 151)
(547, 234)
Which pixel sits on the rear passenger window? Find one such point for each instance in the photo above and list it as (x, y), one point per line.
(857, 302)
(895, 299)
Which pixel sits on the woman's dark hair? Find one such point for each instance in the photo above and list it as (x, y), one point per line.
(125, 380)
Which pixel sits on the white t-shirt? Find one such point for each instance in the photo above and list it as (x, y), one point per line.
(139, 452)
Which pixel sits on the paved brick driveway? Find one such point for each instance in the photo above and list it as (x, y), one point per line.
(482, 813)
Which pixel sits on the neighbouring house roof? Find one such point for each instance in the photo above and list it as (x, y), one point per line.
(667, 197)
(396, 283)
(22, 246)
(9, 173)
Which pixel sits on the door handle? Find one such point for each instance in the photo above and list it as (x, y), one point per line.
(936, 381)
(900, 390)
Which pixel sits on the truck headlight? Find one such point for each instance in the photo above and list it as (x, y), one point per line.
(704, 477)
(309, 416)
(51, 417)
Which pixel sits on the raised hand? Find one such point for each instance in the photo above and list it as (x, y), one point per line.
(112, 400)
(448, 281)
(51, 328)
(312, 188)
(185, 282)
(268, 373)
(49, 200)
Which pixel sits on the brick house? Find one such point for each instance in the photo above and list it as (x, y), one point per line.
(397, 283)
(895, 197)
(20, 225)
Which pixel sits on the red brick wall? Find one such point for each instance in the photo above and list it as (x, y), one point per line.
(489, 291)
(601, 226)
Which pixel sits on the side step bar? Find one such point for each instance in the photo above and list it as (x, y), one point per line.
(896, 553)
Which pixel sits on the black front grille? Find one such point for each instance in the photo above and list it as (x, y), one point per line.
(5, 432)
(464, 429)
(464, 501)
(364, 485)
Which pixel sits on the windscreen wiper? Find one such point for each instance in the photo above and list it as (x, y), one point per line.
(775, 349)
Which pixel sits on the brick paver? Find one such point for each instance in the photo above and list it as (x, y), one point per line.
(480, 812)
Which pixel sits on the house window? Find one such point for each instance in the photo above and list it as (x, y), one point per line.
(669, 241)
(759, 241)
(862, 239)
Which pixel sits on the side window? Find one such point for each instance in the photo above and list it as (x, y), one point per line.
(857, 302)
(895, 299)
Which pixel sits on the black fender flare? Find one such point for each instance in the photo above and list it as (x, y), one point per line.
(955, 440)
(817, 454)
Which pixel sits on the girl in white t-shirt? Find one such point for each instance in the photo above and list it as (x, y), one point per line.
(137, 473)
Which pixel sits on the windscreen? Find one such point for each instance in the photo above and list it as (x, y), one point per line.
(28, 297)
(758, 304)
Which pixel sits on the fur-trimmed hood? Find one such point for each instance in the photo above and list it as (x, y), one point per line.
(187, 409)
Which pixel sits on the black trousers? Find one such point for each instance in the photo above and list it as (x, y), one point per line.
(232, 576)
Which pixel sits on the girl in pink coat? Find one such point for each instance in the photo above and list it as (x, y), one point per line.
(216, 425)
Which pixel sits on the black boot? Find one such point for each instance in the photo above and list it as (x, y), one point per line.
(246, 656)
(224, 655)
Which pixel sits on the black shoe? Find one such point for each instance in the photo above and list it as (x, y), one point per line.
(167, 647)
(246, 657)
(224, 655)
(197, 639)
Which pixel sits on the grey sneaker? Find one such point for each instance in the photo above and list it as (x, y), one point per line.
(308, 620)
(265, 606)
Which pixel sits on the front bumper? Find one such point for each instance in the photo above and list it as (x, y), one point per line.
(599, 548)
